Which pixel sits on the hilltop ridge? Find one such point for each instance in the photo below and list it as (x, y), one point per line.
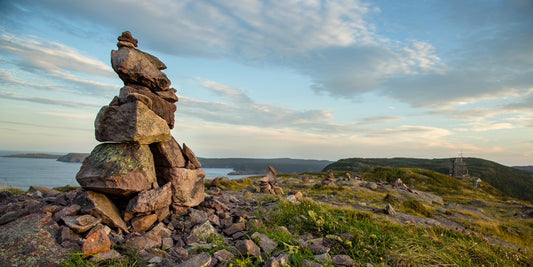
(512, 181)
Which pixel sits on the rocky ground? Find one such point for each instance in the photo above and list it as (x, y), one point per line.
(238, 225)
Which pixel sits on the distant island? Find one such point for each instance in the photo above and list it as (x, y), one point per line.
(73, 157)
(33, 156)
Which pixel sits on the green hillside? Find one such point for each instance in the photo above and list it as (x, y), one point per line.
(511, 181)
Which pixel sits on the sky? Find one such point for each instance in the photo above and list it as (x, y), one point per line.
(267, 79)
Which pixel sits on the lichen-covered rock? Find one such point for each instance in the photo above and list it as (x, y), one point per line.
(100, 206)
(159, 103)
(31, 241)
(168, 154)
(136, 67)
(187, 185)
(130, 122)
(118, 169)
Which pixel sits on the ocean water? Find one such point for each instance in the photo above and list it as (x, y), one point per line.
(25, 172)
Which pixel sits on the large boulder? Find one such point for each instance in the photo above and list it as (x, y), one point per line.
(187, 185)
(160, 105)
(168, 154)
(100, 206)
(130, 122)
(136, 67)
(118, 169)
(31, 241)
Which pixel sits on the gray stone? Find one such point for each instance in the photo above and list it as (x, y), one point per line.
(199, 260)
(130, 122)
(265, 243)
(66, 211)
(44, 190)
(168, 154)
(13, 215)
(148, 240)
(372, 185)
(223, 255)
(151, 200)
(118, 169)
(323, 258)
(81, 224)
(247, 248)
(187, 185)
(201, 232)
(308, 263)
(135, 67)
(343, 260)
(234, 228)
(105, 256)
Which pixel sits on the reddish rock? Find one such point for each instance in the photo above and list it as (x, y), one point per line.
(141, 224)
(118, 169)
(96, 242)
(169, 95)
(191, 157)
(159, 105)
(168, 154)
(151, 200)
(187, 185)
(130, 122)
(135, 67)
(126, 37)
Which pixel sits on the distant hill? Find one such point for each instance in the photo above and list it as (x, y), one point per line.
(511, 181)
(259, 166)
(524, 168)
(33, 156)
(73, 157)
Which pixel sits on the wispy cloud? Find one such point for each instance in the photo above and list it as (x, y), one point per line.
(72, 71)
(235, 107)
(47, 101)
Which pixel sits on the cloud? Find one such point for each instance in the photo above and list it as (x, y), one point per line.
(235, 107)
(72, 71)
(47, 101)
(332, 42)
(379, 120)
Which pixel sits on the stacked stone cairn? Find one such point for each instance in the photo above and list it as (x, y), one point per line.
(268, 184)
(139, 174)
(330, 179)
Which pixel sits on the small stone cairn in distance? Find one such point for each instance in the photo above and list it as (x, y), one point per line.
(269, 185)
(139, 173)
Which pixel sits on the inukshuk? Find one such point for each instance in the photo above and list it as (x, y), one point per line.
(139, 162)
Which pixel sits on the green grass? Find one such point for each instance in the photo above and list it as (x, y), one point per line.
(372, 239)
(12, 190)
